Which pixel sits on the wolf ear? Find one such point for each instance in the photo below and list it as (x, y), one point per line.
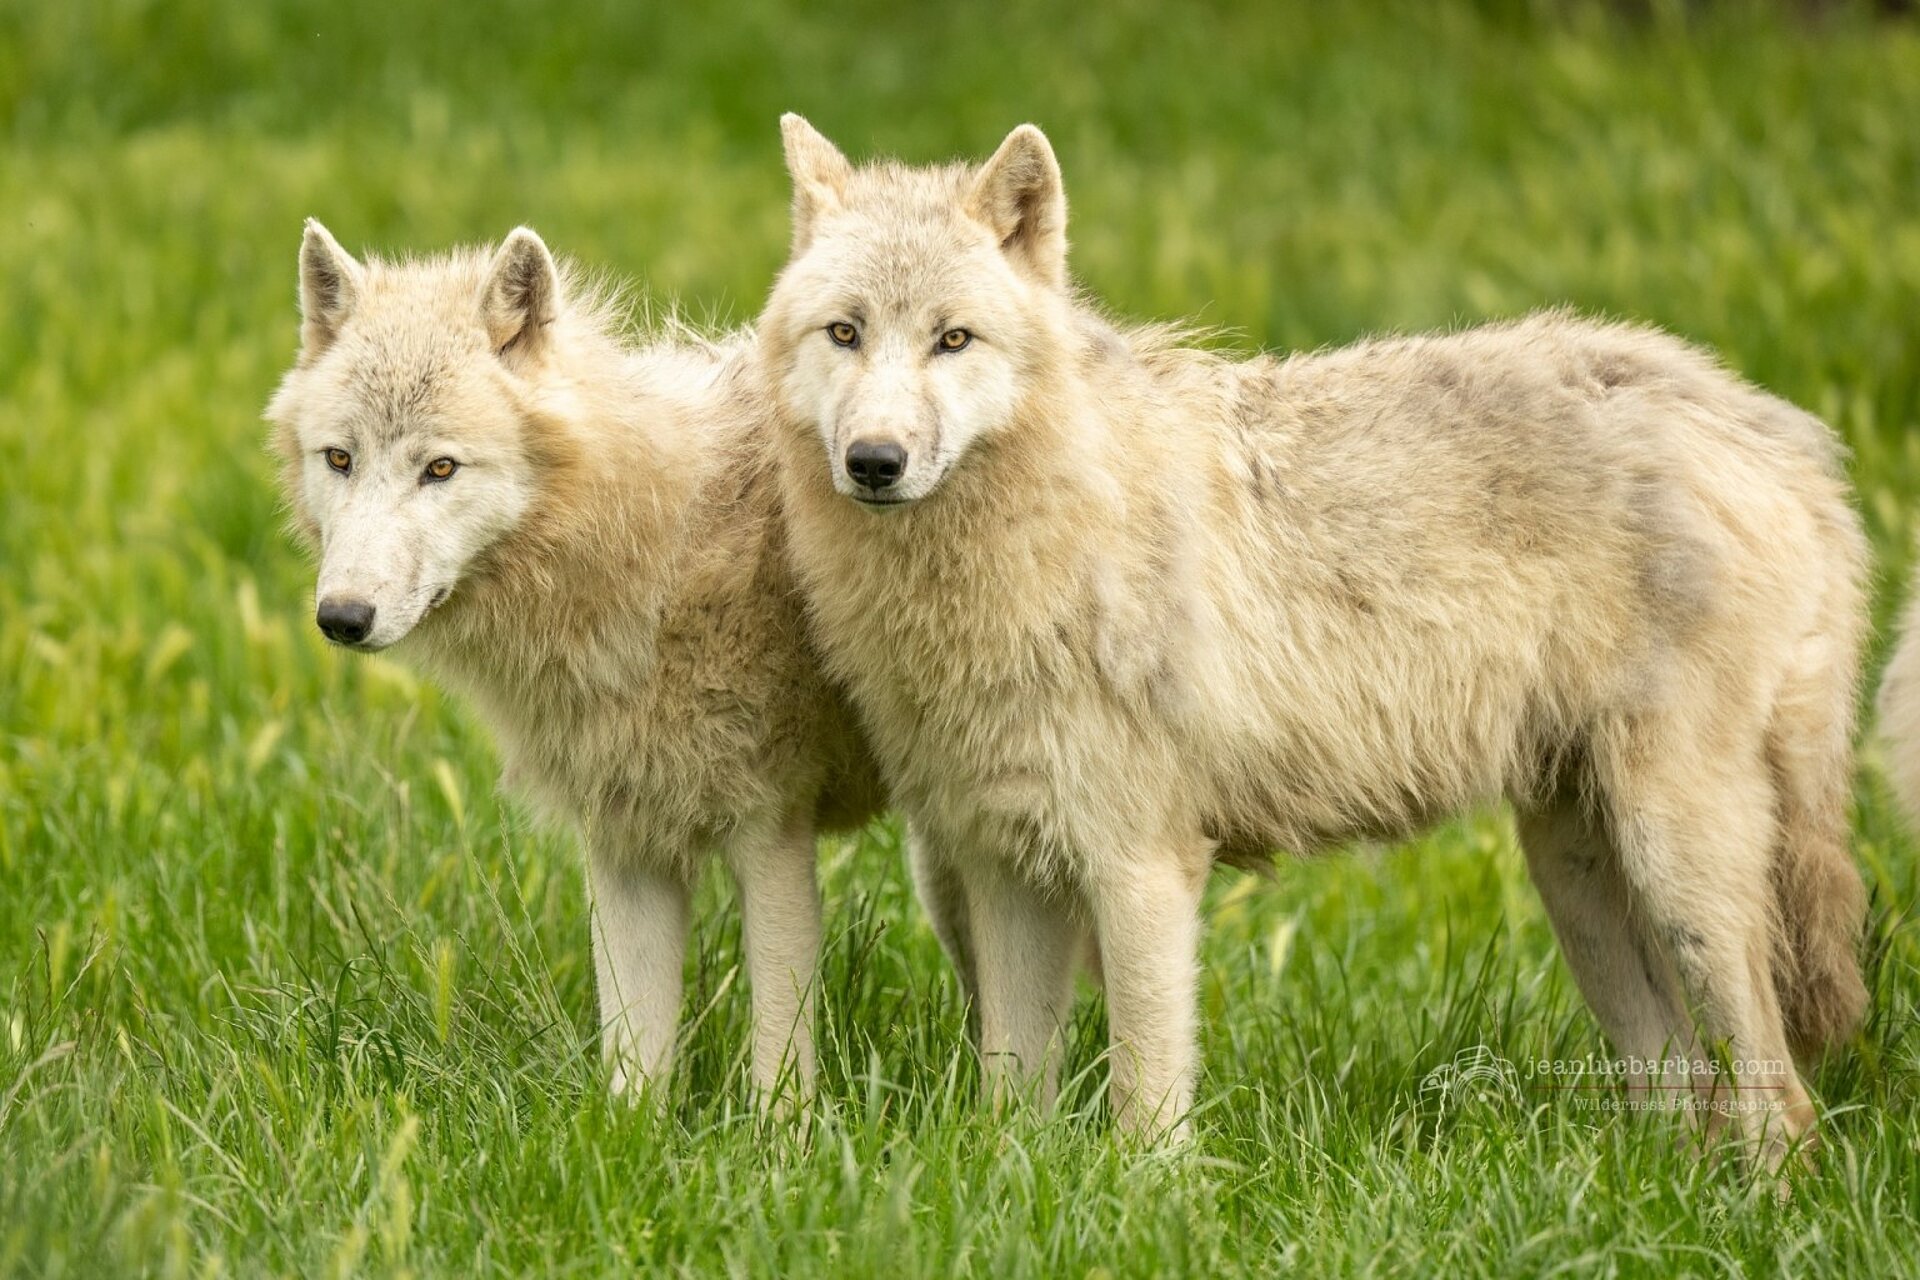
(819, 172)
(522, 296)
(329, 287)
(1018, 194)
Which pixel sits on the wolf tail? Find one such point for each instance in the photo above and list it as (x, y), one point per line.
(1820, 899)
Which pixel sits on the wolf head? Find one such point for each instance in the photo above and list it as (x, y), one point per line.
(402, 428)
(917, 310)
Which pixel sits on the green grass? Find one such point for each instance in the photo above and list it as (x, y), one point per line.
(285, 988)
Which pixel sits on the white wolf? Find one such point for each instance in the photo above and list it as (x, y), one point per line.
(1899, 707)
(581, 538)
(1114, 609)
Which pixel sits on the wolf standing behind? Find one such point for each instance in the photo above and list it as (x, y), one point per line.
(1114, 609)
(580, 537)
(1899, 705)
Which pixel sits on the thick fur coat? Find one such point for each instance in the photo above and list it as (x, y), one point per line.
(1113, 608)
(603, 575)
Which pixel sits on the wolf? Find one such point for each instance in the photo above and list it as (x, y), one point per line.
(579, 535)
(1898, 705)
(1115, 608)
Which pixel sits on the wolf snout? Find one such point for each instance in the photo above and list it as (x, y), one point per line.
(344, 621)
(876, 465)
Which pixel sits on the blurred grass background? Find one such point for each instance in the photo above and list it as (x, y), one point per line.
(285, 988)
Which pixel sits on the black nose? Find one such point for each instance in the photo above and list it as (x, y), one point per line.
(876, 464)
(344, 621)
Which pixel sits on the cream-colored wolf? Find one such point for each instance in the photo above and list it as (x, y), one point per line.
(1899, 705)
(581, 538)
(1114, 609)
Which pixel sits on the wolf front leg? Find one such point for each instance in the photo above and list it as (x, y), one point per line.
(1147, 923)
(639, 945)
(780, 908)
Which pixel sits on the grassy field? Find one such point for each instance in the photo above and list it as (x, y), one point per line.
(287, 988)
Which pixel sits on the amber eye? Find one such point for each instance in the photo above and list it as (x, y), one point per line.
(844, 334)
(440, 469)
(955, 339)
(340, 460)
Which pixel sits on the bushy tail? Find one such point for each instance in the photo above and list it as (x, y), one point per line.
(1820, 898)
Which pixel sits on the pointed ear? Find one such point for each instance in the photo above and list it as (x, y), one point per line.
(819, 172)
(1018, 194)
(329, 287)
(522, 295)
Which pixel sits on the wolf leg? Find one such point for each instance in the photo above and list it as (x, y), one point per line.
(639, 945)
(780, 907)
(943, 896)
(1617, 961)
(1025, 944)
(1147, 924)
(1694, 823)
